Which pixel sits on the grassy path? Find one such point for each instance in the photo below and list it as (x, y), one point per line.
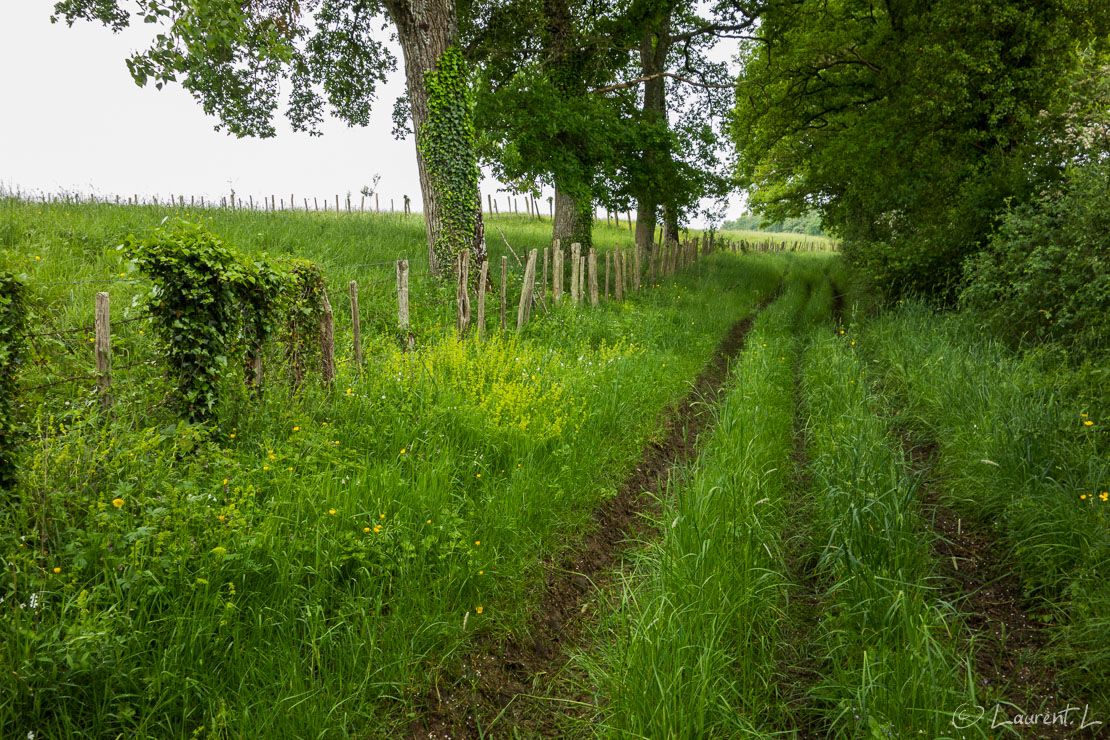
(523, 685)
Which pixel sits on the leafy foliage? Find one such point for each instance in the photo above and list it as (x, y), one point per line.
(209, 305)
(809, 224)
(1044, 273)
(303, 299)
(446, 142)
(12, 319)
(908, 126)
(232, 56)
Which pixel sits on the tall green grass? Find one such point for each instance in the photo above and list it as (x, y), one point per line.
(689, 648)
(1023, 451)
(314, 564)
(888, 637)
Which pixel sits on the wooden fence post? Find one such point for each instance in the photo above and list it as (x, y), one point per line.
(356, 327)
(403, 302)
(637, 265)
(575, 267)
(483, 275)
(618, 274)
(582, 279)
(593, 276)
(462, 295)
(557, 271)
(103, 348)
(543, 292)
(608, 263)
(504, 287)
(524, 312)
(327, 340)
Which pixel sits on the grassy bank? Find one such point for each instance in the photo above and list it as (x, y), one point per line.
(311, 565)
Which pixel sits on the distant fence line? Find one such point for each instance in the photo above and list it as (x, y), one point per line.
(334, 203)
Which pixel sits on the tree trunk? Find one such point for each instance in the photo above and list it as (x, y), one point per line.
(670, 224)
(564, 216)
(573, 219)
(426, 29)
(654, 46)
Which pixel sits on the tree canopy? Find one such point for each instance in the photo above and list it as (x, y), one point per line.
(907, 125)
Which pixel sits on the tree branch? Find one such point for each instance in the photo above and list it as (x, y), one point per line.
(645, 78)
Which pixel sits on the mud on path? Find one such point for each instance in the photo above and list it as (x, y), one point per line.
(988, 595)
(519, 688)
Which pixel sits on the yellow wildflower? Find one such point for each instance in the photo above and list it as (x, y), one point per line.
(1088, 423)
(479, 610)
(117, 502)
(331, 511)
(57, 570)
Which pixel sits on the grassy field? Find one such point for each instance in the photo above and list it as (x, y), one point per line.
(800, 241)
(338, 563)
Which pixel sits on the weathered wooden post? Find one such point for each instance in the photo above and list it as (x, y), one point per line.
(356, 329)
(327, 340)
(403, 302)
(462, 295)
(593, 276)
(618, 273)
(103, 350)
(543, 292)
(582, 278)
(575, 266)
(608, 263)
(524, 312)
(504, 287)
(483, 274)
(557, 271)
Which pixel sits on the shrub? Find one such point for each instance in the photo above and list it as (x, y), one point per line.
(12, 317)
(210, 307)
(1043, 275)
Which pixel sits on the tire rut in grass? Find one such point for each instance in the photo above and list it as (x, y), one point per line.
(514, 687)
(989, 596)
(800, 668)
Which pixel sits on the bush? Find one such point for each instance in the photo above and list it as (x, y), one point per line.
(212, 309)
(1043, 275)
(12, 317)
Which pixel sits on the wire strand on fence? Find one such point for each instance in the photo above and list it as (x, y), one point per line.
(97, 282)
(86, 328)
(87, 376)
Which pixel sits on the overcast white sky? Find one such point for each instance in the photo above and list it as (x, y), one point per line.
(73, 119)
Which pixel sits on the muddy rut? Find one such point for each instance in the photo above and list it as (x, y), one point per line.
(521, 687)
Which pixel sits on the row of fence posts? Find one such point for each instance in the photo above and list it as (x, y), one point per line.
(272, 204)
(623, 270)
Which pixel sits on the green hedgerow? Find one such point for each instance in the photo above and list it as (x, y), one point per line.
(12, 319)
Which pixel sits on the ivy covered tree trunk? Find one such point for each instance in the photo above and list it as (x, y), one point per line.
(442, 118)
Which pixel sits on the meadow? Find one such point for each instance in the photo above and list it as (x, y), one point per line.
(371, 559)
